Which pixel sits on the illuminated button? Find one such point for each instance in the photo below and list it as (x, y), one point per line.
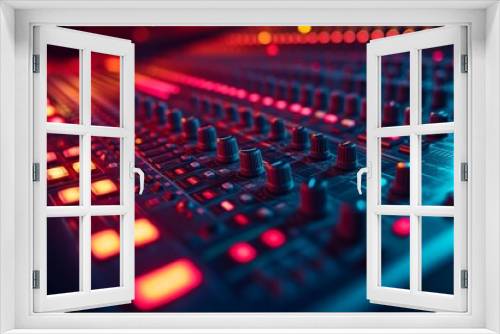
(51, 111)
(401, 227)
(153, 202)
(51, 156)
(103, 187)
(194, 165)
(69, 195)
(166, 284)
(56, 173)
(193, 180)
(224, 171)
(145, 232)
(264, 213)
(180, 171)
(246, 198)
(209, 174)
(273, 238)
(227, 205)
(241, 219)
(71, 152)
(105, 244)
(242, 252)
(228, 186)
(76, 166)
(209, 194)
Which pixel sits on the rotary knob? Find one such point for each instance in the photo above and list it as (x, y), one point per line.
(320, 99)
(351, 105)
(174, 120)
(217, 110)
(336, 102)
(351, 224)
(232, 115)
(390, 116)
(161, 113)
(307, 95)
(206, 138)
(279, 177)
(261, 124)
(246, 118)
(347, 155)
(319, 147)
(227, 150)
(190, 127)
(278, 131)
(300, 139)
(314, 201)
(251, 164)
(401, 184)
(148, 108)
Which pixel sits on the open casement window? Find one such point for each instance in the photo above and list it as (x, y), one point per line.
(84, 202)
(400, 63)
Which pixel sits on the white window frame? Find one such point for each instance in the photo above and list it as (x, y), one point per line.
(483, 102)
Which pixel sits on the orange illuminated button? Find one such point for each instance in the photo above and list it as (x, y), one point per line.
(103, 187)
(51, 156)
(69, 195)
(76, 166)
(105, 244)
(57, 173)
(51, 111)
(166, 284)
(72, 152)
(145, 232)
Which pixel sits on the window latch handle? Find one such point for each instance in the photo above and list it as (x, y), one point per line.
(368, 171)
(134, 170)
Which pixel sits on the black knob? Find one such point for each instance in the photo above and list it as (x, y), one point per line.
(307, 95)
(336, 102)
(174, 120)
(206, 138)
(137, 104)
(351, 105)
(300, 139)
(293, 94)
(347, 155)
(227, 150)
(321, 99)
(232, 115)
(390, 116)
(270, 86)
(351, 224)
(319, 147)
(278, 130)
(205, 105)
(401, 183)
(279, 177)
(261, 124)
(314, 200)
(161, 113)
(190, 127)
(148, 108)
(217, 110)
(246, 118)
(438, 117)
(251, 164)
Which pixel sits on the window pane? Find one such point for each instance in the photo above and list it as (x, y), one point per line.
(105, 244)
(395, 170)
(63, 255)
(105, 85)
(395, 94)
(105, 186)
(63, 187)
(395, 235)
(63, 84)
(437, 85)
(437, 254)
(437, 169)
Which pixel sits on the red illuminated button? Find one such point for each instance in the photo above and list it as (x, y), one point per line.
(51, 156)
(69, 195)
(57, 173)
(226, 205)
(208, 194)
(103, 187)
(273, 238)
(241, 219)
(145, 232)
(401, 227)
(242, 252)
(166, 284)
(105, 244)
(72, 152)
(193, 180)
(180, 171)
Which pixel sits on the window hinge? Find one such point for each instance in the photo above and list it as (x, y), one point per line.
(36, 279)
(36, 172)
(465, 279)
(36, 63)
(465, 64)
(464, 171)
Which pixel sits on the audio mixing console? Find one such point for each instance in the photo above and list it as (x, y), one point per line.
(250, 140)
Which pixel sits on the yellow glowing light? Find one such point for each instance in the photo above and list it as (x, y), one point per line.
(69, 195)
(71, 152)
(105, 244)
(51, 111)
(138, 140)
(76, 166)
(56, 173)
(103, 187)
(304, 29)
(145, 232)
(51, 156)
(264, 37)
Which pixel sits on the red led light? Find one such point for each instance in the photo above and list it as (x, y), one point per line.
(409, 30)
(438, 56)
(337, 37)
(267, 101)
(242, 252)
(241, 93)
(331, 118)
(324, 37)
(280, 104)
(166, 284)
(56, 119)
(392, 32)
(377, 33)
(348, 123)
(71, 152)
(273, 238)
(193, 180)
(295, 107)
(362, 36)
(349, 36)
(312, 38)
(51, 156)
(208, 194)
(306, 111)
(401, 227)
(272, 50)
(228, 206)
(241, 219)
(254, 97)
